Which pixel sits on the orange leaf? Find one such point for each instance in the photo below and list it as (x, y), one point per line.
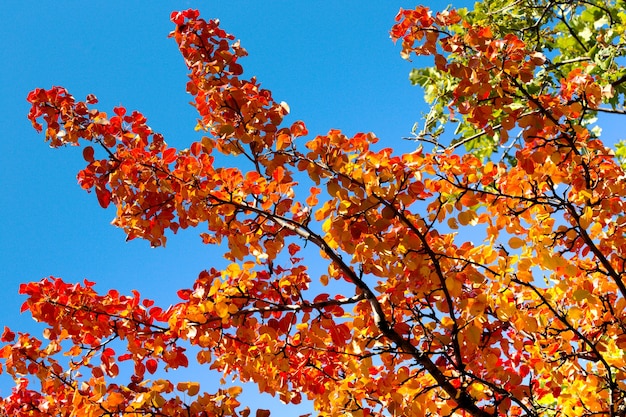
(516, 242)
(114, 399)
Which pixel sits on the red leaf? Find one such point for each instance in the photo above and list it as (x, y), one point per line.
(89, 339)
(293, 249)
(151, 365)
(88, 154)
(235, 68)
(177, 18)
(104, 196)
(36, 95)
(298, 129)
(169, 155)
(155, 312)
(321, 298)
(196, 148)
(181, 359)
(7, 335)
(184, 294)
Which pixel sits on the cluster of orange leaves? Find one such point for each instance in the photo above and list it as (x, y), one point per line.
(433, 324)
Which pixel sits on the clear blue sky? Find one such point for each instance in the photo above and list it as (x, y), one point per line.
(332, 62)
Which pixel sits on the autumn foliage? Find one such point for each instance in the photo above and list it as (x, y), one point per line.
(486, 280)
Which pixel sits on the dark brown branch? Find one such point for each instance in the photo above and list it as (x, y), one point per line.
(303, 306)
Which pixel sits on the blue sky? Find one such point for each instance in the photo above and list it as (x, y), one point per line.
(332, 62)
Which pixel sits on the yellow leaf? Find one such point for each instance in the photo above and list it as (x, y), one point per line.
(585, 218)
(326, 225)
(215, 287)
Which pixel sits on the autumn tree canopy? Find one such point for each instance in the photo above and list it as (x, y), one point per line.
(482, 274)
